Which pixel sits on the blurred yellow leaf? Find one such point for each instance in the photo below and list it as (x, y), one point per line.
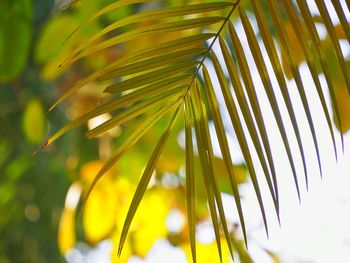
(208, 252)
(169, 163)
(89, 171)
(34, 121)
(149, 222)
(100, 213)
(127, 251)
(66, 232)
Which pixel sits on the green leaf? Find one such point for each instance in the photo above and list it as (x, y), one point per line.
(15, 37)
(34, 121)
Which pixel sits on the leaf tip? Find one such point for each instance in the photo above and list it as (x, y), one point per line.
(46, 143)
(120, 248)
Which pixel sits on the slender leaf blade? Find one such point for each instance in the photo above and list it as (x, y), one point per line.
(272, 52)
(131, 141)
(132, 112)
(264, 75)
(190, 178)
(277, 20)
(147, 31)
(151, 77)
(302, 38)
(220, 130)
(331, 31)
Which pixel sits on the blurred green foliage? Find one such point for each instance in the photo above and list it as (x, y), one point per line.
(15, 37)
(32, 189)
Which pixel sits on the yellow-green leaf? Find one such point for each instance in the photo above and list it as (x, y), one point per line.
(190, 179)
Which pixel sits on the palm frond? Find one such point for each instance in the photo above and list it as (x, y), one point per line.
(153, 81)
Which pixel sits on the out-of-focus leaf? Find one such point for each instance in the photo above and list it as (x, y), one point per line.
(100, 212)
(112, 7)
(34, 121)
(66, 231)
(207, 252)
(89, 170)
(50, 42)
(120, 13)
(147, 229)
(295, 48)
(15, 37)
